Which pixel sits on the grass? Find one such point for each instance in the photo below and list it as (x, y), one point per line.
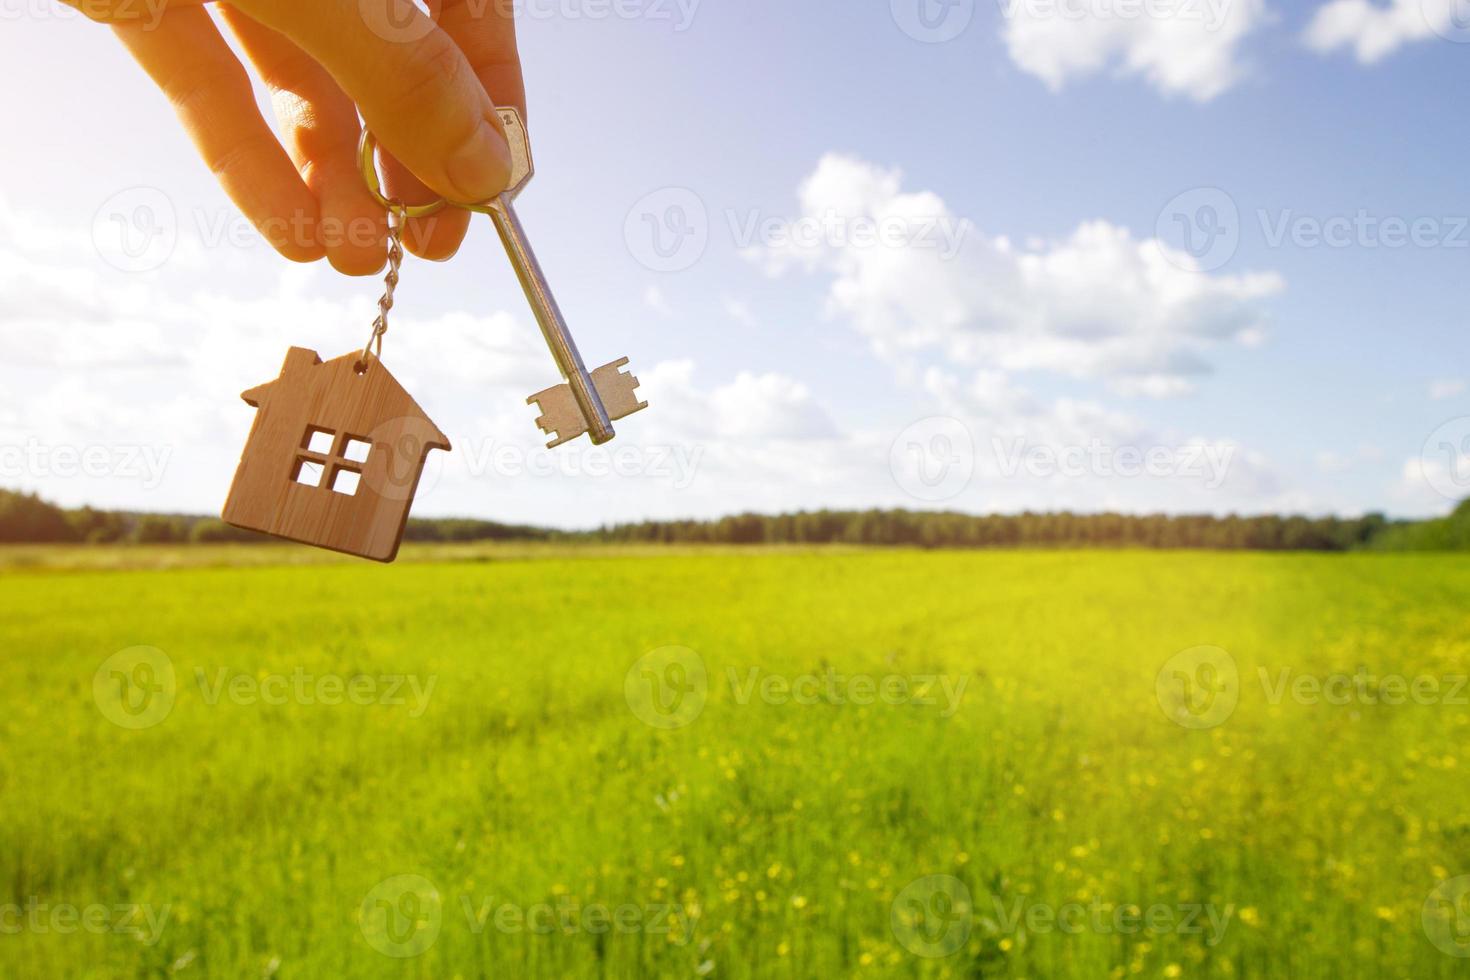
(765, 837)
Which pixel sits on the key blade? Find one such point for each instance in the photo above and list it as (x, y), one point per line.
(562, 419)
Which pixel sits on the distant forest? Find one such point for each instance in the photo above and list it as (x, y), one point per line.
(26, 518)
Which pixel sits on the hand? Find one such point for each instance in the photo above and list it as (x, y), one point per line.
(422, 86)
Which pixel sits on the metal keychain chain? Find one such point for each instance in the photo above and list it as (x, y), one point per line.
(397, 215)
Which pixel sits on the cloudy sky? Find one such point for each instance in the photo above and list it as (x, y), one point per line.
(1179, 255)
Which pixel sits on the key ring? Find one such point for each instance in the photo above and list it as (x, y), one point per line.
(367, 148)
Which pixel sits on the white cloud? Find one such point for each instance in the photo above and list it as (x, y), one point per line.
(156, 363)
(1334, 461)
(1446, 388)
(739, 311)
(1077, 454)
(769, 406)
(1098, 304)
(654, 299)
(1420, 490)
(1181, 47)
(1373, 31)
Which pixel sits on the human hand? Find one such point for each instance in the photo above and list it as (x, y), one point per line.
(422, 85)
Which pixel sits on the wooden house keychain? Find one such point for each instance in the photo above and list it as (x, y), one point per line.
(337, 448)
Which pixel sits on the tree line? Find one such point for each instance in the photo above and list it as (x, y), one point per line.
(29, 519)
(928, 529)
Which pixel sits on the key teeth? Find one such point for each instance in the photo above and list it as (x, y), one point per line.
(562, 418)
(617, 389)
(559, 417)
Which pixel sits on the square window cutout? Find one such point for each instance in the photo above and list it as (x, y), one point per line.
(346, 482)
(319, 441)
(308, 474)
(357, 450)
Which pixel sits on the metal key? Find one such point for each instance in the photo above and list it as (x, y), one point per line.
(589, 401)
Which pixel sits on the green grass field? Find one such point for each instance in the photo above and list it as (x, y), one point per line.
(510, 787)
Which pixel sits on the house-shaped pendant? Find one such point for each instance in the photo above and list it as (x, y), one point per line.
(334, 457)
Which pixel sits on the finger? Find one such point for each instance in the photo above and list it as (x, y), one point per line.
(320, 128)
(486, 33)
(190, 62)
(411, 82)
(436, 236)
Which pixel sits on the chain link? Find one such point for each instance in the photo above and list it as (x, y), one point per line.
(396, 218)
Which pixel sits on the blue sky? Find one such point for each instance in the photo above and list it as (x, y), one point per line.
(1036, 325)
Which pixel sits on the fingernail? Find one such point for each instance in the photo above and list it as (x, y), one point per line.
(480, 168)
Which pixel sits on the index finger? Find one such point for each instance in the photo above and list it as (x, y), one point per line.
(486, 33)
